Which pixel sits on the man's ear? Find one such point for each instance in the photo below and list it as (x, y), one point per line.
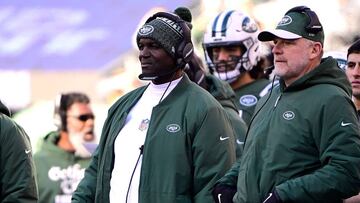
(316, 51)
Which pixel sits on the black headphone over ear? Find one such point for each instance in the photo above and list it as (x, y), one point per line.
(185, 49)
(314, 25)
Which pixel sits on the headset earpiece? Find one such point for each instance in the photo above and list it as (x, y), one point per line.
(60, 112)
(314, 26)
(185, 48)
(57, 118)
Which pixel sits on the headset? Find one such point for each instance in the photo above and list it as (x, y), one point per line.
(314, 26)
(184, 50)
(63, 103)
(60, 112)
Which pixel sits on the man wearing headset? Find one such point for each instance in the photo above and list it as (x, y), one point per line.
(168, 141)
(303, 144)
(64, 155)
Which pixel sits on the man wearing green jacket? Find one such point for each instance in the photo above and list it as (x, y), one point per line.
(17, 169)
(63, 156)
(303, 144)
(168, 141)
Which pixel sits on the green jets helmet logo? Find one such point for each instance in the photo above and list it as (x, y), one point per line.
(173, 128)
(286, 20)
(288, 115)
(146, 30)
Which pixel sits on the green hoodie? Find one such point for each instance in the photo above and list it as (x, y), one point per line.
(58, 171)
(188, 147)
(17, 170)
(303, 142)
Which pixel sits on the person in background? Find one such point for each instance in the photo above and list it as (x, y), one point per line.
(223, 93)
(168, 141)
(64, 154)
(232, 54)
(353, 74)
(17, 169)
(303, 144)
(219, 89)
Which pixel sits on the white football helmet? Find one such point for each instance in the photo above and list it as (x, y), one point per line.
(232, 28)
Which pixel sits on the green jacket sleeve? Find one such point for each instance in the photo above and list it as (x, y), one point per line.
(230, 178)
(215, 139)
(17, 172)
(339, 152)
(86, 190)
(239, 127)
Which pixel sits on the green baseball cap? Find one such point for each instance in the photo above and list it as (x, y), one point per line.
(298, 22)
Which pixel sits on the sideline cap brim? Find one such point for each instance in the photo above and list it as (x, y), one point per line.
(265, 36)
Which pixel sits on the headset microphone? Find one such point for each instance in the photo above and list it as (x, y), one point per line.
(154, 76)
(149, 76)
(180, 63)
(269, 70)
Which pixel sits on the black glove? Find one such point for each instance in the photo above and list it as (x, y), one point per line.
(273, 197)
(223, 193)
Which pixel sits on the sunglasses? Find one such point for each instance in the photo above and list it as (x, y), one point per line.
(84, 117)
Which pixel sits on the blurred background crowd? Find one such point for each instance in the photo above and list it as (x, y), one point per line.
(50, 47)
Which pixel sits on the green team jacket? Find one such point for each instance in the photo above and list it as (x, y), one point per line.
(304, 142)
(247, 97)
(17, 170)
(188, 147)
(224, 94)
(58, 171)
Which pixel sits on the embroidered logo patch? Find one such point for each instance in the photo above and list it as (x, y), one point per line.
(248, 100)
(173, 128)
(288, 115)
(146, 30)
(144, 124)
(286, 20)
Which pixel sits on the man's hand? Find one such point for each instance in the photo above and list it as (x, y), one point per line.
(223, 193)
